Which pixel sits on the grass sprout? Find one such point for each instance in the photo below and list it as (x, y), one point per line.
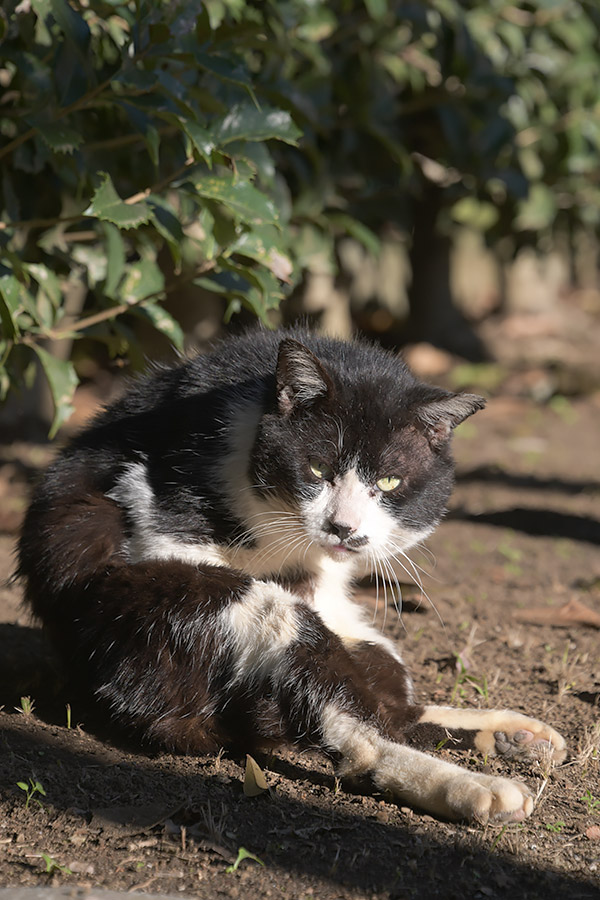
(243, 854)
(52, 866)
(31, 789)
(27, 706)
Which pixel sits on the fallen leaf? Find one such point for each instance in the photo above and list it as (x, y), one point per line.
(254, 779)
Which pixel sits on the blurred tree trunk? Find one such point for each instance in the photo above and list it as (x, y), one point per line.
(433, 315)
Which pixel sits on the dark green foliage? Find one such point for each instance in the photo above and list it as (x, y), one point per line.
(241, 138)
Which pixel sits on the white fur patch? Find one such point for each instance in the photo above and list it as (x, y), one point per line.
(133, 492)
(340, 614)
(262, 625)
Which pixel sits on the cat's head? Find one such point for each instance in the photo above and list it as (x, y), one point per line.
(357, 447)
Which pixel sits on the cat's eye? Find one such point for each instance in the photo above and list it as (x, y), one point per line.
(388, 483)
(321, 469)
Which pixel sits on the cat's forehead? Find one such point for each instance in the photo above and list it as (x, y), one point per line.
(369, 432)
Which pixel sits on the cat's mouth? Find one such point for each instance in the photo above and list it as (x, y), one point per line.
(340, 550)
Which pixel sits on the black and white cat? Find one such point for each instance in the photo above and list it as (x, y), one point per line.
(191, 554)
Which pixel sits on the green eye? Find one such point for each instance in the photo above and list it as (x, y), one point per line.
(388, 483)
(320, 469)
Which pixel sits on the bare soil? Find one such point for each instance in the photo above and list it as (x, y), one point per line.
(523, 532)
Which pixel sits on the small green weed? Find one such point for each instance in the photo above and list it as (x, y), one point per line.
(27, 706)
(498, 836)
(563, 408)
(555, 827)
(52, 866)
(592, 804)
(243, 854)
(31, 789)
(463, 679)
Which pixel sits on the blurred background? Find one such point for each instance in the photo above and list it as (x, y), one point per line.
(426, 173)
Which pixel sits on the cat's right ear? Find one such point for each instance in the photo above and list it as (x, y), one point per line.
(301, 378)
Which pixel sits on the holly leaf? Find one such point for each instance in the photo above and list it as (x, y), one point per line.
(115, 258)
(10, 305)
(241, 197)
(245, 122)
(163, 321)
(59, 138)
(62, 380)
(201, 138)
(143, 279)
(108, 206)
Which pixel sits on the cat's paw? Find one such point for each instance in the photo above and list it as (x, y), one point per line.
(516, 735)
(488, 798)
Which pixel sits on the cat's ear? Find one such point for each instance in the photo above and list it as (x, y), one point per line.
(441, 415)
(301, 378)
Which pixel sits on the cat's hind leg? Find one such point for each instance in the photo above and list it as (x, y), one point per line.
(494, 732)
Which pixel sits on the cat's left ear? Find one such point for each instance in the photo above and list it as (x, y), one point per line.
(442, 415)
(301, 377)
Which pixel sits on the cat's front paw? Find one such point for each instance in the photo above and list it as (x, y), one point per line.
(488, 798)
(516, 735)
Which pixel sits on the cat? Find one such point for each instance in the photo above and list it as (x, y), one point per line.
(191, 555)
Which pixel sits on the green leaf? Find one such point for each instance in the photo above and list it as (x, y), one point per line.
(245, 122)
(152, 138)
(62, 380)
(243, 854)
(107, 205)
(163, 321)
(258, 290)
(377, 9)
(538, 210)
(225, 67)
(143, 279)
(257, 156)
(10, 305)
(202, 139)
(475, 213)
(59, 138)
(358, 231)
(93, 258)
(47, 281)
(74, 27)
(115, 258)
(264, 245)
(241, 197)
(164, 219)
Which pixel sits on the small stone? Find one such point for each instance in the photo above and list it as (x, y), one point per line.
(81, 868)
(78, 838)
(593, 833)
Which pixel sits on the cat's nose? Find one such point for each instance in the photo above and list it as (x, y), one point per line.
(340, 529)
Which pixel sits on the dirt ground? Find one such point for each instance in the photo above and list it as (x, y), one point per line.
(522, 534)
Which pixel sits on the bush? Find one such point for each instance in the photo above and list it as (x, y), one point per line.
(226, 143)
